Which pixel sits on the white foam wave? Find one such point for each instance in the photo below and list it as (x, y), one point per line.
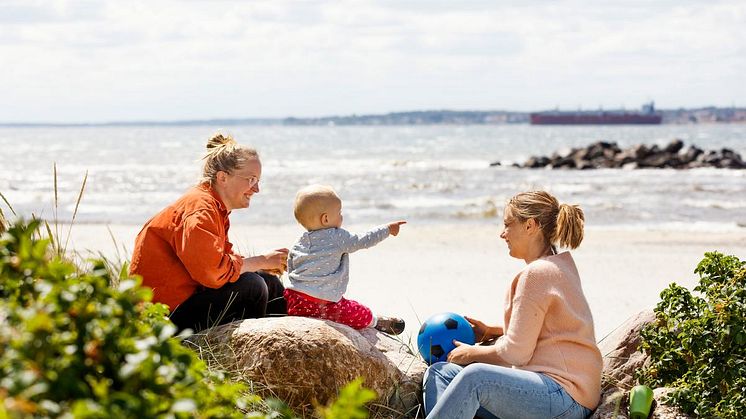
(695, 226)
(719, 204)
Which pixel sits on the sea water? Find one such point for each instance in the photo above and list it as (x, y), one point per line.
(423, 174)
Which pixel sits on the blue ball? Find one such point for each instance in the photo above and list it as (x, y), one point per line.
(436, 336)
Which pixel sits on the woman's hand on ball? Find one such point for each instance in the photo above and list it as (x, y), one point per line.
(483, 332)
(460, 354)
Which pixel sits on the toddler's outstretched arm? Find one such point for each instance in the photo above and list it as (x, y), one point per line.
(349, 242)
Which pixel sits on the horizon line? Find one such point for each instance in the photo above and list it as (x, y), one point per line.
(281, 120)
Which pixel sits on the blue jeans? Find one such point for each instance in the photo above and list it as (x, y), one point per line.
(490, 391)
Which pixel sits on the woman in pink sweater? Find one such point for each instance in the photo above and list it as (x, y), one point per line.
(545, 362)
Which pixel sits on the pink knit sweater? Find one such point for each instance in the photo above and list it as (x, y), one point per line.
(549, 328)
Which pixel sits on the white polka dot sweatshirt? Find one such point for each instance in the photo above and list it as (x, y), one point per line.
(319, 262)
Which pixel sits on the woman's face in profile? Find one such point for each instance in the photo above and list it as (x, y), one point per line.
(514, 234)
(238, 187)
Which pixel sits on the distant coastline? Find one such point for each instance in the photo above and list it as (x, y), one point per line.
(430, 117)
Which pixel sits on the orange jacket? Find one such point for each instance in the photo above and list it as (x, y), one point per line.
(185, 247)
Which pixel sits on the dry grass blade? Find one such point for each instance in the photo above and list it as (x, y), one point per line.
(56, 202)
(75, 211)
(120, 256)
(3, 220)
(54, 168)
(37, 234)
(8, 204)
(113, 269)
(52, 239)
(378, 410)
(123, 262)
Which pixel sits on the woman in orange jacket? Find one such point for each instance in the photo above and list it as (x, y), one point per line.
(184, 255)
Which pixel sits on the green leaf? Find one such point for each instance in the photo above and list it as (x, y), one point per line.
(351, 402)
(697, 344)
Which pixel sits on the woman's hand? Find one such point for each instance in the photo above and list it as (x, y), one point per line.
(483, 332)
(465, 354)
(275, 262)
(461, 354)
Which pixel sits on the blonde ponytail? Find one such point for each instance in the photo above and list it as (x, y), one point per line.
(569, 229)
(224, 154)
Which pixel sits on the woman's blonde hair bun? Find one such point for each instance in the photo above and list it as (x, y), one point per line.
(224, 154)
(220, 140)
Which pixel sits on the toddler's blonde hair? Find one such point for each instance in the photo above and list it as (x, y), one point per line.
(311, 202)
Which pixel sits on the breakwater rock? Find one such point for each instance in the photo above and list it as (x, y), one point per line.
(603, 154)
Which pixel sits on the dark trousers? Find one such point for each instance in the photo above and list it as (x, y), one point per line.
(253, 295)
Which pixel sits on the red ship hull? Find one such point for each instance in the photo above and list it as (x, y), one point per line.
(603, 118)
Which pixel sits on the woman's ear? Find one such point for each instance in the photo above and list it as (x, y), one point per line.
(221, 176)
(531, 225)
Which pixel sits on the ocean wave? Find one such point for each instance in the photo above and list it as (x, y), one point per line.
(427, 174)
(355, 165)
(720, 204)
(694, 227)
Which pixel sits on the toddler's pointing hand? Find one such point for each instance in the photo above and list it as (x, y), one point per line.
(394, 227)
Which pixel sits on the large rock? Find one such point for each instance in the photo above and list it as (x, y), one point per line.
(620, 351)
(304, 361)
(689, 154)
(674, 146)
(621, 359)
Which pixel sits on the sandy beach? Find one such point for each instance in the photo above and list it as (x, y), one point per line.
(465, 268)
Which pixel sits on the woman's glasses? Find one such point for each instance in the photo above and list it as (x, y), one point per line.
(253, 180)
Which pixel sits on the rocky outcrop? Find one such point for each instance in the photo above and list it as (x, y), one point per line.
(621, 359)
(603, 154)
(620, 351)
(303, 361)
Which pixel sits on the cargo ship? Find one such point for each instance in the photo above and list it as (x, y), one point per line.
(647, 115)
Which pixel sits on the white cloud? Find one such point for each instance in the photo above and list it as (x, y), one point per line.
(109, 60)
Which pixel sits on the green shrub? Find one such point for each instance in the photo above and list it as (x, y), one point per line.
(698, 343)
(73, 346)
(350, 403)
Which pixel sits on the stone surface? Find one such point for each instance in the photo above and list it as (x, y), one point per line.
(619, 349)
(406, 396)
(664, 411)
(304, 361)
(621, 360)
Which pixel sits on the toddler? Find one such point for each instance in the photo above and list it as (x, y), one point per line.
(319, 263)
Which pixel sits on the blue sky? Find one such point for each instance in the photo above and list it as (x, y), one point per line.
(96, 61)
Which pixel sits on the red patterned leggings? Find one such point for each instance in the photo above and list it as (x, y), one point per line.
(344, 311)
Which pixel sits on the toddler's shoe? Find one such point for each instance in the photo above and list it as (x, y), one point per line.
(390, 325)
